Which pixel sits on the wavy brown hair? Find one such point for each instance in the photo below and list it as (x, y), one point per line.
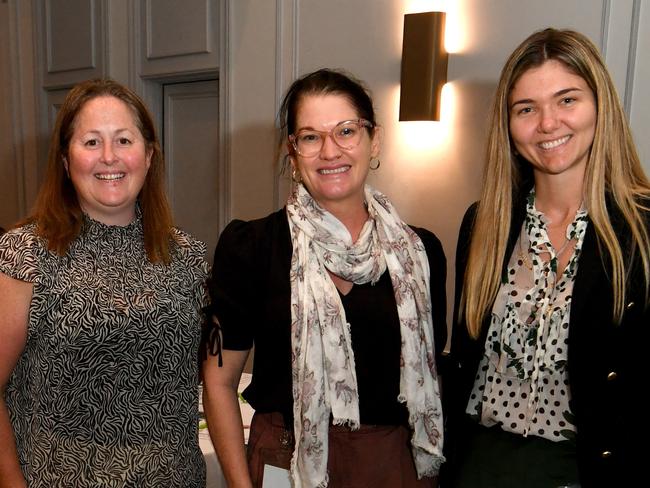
(613, 173)
(57, 212)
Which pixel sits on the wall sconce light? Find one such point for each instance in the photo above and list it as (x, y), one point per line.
(424, 66)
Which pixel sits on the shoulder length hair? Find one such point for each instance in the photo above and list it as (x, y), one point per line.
(57, 212)
(613, 174)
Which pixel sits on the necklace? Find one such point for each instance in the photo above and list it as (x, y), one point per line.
(524, 256)
(559, 252)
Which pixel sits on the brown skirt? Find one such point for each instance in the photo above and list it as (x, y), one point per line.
(373, 456)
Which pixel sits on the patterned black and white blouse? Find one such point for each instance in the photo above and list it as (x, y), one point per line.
(522, 380)
(105, 393)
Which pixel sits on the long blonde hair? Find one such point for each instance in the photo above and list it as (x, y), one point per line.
(613, 170)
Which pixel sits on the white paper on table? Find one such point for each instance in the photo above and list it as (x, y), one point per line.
(246, 410)
(275, 477)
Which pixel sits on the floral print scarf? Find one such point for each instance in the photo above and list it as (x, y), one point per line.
(324, 379)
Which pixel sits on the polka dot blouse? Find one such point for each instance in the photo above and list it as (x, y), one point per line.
(522, 382)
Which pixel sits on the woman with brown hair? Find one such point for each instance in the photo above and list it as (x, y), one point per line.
(345, 305)
(100, 311)
(553, 268)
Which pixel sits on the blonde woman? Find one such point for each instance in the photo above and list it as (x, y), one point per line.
(551, 317)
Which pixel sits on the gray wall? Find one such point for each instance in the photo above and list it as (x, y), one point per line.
(47, 46)
(18, 144)
(431, 170)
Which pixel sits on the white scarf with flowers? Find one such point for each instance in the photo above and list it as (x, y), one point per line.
(324, 379)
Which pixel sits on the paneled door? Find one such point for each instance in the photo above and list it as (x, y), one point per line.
(191, 146)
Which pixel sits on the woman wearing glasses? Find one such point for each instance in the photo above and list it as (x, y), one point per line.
(342, 301)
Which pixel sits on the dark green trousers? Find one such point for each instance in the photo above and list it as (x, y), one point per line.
(493, 458)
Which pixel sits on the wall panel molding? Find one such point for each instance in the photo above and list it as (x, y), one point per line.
(196, 30)
(191, 150)
(632, 56)
(74, 43)
(620, 31)
(286, 53)
(193, 48)
(639, 101)
(225, 110)
(19, 82)
(11, 195)
(286, 71)
(626, 27)
(70, 49)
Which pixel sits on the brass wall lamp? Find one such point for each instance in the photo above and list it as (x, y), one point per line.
(424, 66)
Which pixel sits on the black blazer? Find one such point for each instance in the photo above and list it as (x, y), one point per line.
(607, 366)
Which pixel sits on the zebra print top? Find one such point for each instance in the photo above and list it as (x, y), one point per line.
(105, 392)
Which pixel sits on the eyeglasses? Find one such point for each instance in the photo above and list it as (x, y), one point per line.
(346, 135)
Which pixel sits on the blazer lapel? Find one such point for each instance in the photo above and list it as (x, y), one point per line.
(590, 268)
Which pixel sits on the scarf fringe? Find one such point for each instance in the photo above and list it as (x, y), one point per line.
(350, 423)
(433, 469)
(325, 482)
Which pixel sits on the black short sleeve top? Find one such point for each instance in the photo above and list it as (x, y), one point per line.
(250, 293)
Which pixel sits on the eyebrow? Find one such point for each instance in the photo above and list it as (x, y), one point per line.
(309, 127)
(557, 94)
(117, 131)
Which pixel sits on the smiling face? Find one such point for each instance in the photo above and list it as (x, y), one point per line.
(334, 176)
(107, 160)
(553, 115)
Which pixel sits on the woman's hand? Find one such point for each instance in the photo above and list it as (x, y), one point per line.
(221, 406)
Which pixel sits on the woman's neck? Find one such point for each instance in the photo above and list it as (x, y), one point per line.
(558, 198)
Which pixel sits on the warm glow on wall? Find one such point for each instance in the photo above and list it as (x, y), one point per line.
(455, 40)
(422, 137)
(417, 6)
(419, 105)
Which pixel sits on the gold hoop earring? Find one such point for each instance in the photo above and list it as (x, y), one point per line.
(295, 175)
(377, 166)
